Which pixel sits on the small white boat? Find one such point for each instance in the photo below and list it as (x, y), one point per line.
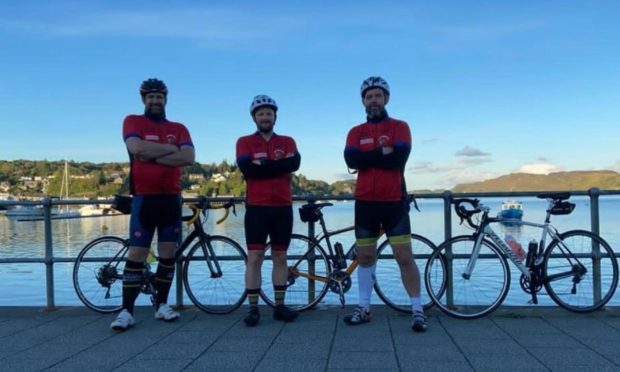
(93, 210)
(25, 211)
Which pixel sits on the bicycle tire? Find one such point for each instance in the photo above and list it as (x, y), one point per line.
(580, 243)
(99, 264)
(463, 298)
(301, 293)
(215, 295)
(388, 283)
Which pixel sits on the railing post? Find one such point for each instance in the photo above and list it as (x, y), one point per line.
(447, 214)
(447, 226)
(49, 254)
(178, 268)
(311, 256)
(596, 250)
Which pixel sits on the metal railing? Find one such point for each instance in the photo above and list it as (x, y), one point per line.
(48, 204)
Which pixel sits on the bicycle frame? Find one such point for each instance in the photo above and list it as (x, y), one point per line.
(326, 235)
(485, 230)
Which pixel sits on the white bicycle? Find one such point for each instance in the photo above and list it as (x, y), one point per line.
(468, 276)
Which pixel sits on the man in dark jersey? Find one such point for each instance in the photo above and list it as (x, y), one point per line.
(378, 150)
(267, 160)
(158, 148)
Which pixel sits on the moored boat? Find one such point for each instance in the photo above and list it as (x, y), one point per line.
(511, 209)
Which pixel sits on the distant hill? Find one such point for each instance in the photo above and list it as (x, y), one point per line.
(578, 180)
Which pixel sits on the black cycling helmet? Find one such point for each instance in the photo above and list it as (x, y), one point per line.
(153, 86)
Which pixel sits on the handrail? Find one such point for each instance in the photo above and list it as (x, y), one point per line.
(48, 203)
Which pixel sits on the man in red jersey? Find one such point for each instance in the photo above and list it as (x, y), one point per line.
(267, 160)
(378, 149)
(158, 149)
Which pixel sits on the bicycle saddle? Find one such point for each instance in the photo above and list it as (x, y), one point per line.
(316, 206)
(559, 196)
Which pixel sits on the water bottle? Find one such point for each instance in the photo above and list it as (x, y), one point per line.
(532, 250)
(341, 261)
(515, 246)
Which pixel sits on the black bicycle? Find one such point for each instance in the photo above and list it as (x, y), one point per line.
(212, 270)
(313, 270)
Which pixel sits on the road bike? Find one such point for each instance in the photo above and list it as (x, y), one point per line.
(212, 269)
(578, 268)
(313, 270)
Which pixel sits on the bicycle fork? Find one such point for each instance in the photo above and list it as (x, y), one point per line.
(211, 259)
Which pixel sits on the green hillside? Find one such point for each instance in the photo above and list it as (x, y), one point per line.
(578, 180)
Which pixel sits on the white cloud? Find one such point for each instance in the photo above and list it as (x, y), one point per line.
(471, 151)
(540, 167)
(460, 164)
(205, 25)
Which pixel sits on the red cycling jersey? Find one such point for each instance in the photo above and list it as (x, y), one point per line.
(268, 184)
(380, 177)
(148, 177)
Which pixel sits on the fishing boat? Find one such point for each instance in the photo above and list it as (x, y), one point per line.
(511, 209)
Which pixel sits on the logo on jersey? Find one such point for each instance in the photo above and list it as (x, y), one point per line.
(260, 155)
(171, 138)
(384, 140)
(151, 137)
(366, 141)
(279, 154)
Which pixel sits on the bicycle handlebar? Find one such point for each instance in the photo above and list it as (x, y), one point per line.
(466, 214)
(203, 205)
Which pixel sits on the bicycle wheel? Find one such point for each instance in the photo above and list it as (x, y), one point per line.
(214, 274)
(388, 283)
(467, 297)
(306, 259)
(569, 289)
(98, 274)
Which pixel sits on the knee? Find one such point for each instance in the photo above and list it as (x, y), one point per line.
(403, 258)
(278, 257)
(255, 258)
(366, 260)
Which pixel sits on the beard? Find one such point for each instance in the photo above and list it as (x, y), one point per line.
(155, 111)
(265, 127)
(375, 112)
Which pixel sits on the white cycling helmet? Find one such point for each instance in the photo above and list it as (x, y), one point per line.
(374, 82)
(261, 101)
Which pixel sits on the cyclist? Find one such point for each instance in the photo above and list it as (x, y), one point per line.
(267, 160)
(158, 148)
(378, 150)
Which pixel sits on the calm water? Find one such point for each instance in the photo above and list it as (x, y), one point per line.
(24, 284)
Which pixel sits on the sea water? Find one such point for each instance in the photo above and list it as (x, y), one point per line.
(24, 284)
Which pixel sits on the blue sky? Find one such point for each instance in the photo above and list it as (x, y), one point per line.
(487, 87)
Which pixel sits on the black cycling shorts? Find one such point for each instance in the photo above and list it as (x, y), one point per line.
(161, 212)
(372, 217)
(275, 223)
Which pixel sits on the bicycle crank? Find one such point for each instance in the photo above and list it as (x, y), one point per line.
(526, 285)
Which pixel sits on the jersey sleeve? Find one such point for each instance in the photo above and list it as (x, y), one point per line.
(131, 128)
(401, 149)
(185, 138)
(353, 154)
